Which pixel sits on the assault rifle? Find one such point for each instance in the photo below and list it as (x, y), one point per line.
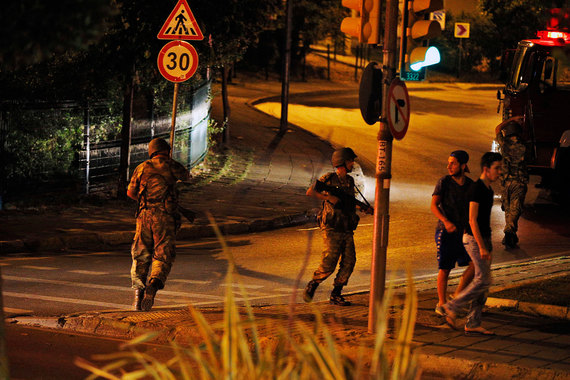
(188, 214)
(347, 200)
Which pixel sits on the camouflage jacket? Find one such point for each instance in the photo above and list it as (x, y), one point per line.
(154, 181)
(514, 164)
(340, 217)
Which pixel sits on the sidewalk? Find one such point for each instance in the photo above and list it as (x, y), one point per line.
(262, 186)
(527, 345)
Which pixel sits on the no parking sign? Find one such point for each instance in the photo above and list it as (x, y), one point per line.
(398, 109)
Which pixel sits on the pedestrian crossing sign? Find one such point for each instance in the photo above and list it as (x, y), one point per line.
(181, 24)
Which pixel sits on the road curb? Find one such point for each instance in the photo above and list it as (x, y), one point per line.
(109, 239)
(544, 310)
(459, 368)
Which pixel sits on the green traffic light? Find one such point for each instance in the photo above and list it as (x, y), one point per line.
(431, 57)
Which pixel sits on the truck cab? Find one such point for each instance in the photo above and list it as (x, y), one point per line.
(537, 87)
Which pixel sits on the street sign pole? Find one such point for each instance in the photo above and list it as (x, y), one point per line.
(173, 123)
(383, 170)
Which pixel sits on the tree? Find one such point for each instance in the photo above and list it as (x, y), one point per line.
(231, 27)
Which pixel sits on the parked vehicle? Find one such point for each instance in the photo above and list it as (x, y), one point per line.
(537, 87)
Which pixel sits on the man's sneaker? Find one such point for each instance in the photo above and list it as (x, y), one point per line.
(310, 291)
(337, 299)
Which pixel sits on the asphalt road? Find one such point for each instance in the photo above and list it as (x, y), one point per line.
(445, 117)
(42, 354)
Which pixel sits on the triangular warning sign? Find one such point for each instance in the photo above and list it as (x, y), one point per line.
(181, 24)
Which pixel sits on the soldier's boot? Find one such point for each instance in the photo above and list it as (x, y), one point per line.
(310, 291)
(337, 298)
(149, 294)
(509, 240)
(139, 295)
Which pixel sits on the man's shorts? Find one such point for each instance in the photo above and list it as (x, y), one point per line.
(450, 250)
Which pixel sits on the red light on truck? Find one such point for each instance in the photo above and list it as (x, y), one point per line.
(551, 35)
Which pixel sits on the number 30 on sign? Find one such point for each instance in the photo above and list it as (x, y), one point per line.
(177, 61)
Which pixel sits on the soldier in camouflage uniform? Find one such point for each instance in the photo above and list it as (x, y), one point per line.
(337, 221)
(153, 187)
(514, 178)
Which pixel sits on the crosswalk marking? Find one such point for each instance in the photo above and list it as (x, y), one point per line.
(66, 300)
(234, 285)
(107, 287)
(90, 272)
(194, 282)
(13, 310)
(38, 268)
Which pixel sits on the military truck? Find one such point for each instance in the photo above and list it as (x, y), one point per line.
(537, 87)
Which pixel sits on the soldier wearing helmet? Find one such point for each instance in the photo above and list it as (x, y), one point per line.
(337, 221)
(152, 185)
(514, 177)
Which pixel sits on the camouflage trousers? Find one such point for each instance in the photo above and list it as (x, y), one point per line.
(153, 247)
(513, 196)
(338, 245)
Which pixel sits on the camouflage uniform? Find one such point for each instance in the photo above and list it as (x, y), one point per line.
(337, 224)
(514, 180)
(157, 219)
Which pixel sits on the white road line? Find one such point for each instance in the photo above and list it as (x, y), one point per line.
(87, 254)
(308, 229)
(38, 268)
(16, 311)
(107, 287)
(316, 228)
(90, 272)
(26, 258)
(66, 300)
(193, 282)
(233, 285)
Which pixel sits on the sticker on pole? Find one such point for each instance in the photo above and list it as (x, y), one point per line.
(398, 109)
(177, 61)
(181, 24)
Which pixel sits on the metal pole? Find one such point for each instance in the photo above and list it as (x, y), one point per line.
(328, 62)
(459, 54)
(173, 123)
(383, 170)
(286, 69)
(356, 64)
(87, 147)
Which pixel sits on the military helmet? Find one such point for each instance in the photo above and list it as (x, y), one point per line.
(340, 156)
(157, 145)
(512, 128)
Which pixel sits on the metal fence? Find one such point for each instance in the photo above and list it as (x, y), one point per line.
(99, 161)
(69, 136)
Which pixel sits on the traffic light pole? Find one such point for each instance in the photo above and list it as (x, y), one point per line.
(383, 169)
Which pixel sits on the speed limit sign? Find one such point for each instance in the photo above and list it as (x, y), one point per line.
(177, 61)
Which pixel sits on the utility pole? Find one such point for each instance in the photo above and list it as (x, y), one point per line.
(286, 69)
(383, 168)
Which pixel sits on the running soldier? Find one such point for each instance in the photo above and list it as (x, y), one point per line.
(514, 178)
(153, 187)
(337, 220)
